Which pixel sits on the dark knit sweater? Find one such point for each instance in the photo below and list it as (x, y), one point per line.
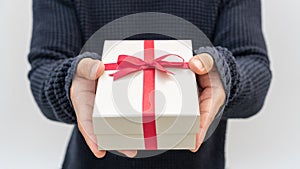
(61, 27)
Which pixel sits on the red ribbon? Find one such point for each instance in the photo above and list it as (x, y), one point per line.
(128, 64)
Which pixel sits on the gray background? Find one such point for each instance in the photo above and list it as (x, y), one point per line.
(268, 140)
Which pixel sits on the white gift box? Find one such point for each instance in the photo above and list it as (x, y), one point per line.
(147, 109)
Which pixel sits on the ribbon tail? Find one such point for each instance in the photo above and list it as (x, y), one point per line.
(166, 71)
(162, 68)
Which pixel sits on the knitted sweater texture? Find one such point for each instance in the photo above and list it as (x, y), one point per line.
(61, 27)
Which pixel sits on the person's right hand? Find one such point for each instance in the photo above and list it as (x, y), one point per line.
(82, 95)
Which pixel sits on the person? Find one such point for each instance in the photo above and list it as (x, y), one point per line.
(62, 80)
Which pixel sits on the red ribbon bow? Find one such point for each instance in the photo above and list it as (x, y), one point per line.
(128, 64)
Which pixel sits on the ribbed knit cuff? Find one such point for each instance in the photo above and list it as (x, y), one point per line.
(226, 55)
(56, 94)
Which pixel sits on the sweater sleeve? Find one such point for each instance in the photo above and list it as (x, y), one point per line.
(241, 57)
(56, 41)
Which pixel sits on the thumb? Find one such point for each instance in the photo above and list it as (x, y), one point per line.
(90, 69)
(201, 63)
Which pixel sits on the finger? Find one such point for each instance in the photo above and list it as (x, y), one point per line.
(209, 118)
(84, 120)
(128, 153)
(205, 102)
(204, 124)
(201, 64)
(209, 107)
(200, 137)
(92, 145)
(90, 69)
(84, 109)
(197, 146)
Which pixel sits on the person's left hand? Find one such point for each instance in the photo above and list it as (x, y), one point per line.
(212, 93)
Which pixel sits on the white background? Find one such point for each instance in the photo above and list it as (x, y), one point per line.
(269, 140)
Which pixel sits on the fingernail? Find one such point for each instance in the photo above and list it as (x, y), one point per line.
(131, 155)
(199, 64)
(101, 155)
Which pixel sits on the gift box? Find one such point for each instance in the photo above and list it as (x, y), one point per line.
(147, 97)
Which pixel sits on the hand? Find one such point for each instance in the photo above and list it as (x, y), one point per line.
(212, 93)
(82, 95)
